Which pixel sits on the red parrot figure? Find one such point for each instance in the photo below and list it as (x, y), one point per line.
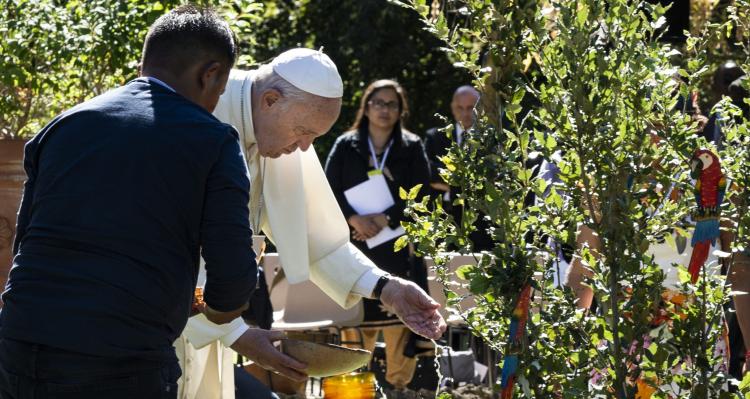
(710, 187)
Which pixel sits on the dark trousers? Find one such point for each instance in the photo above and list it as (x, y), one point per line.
(31, 371)
(736, 344)
(248, 387)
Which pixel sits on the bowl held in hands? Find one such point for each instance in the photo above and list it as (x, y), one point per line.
(324, 360)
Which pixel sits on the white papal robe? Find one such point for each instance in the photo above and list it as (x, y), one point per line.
(300, 215)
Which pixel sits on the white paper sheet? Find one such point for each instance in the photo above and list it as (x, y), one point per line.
(373, 196)
(385, 235)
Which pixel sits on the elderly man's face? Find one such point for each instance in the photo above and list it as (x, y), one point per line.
(462, 108)
(285, 125)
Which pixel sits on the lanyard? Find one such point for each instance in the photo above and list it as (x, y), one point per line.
(381, 165)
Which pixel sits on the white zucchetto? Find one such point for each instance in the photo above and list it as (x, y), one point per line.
(311, 71)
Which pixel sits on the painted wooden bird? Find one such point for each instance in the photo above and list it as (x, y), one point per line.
(710, 186)
(515, 338)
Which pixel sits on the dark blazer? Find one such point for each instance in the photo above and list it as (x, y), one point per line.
(436, 145)
(347, 166)
(123, 191)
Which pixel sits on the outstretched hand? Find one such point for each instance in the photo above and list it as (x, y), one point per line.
(414, 307)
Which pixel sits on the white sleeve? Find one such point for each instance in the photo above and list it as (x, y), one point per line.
(201, 332)
(337, 274)
(308, 228)
(366, 284)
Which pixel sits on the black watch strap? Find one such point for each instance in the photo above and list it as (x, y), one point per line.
(382, 281)
(392, 223)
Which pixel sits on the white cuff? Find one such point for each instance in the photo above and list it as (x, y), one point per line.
(233, 336)
(201, 332)
(367, 282)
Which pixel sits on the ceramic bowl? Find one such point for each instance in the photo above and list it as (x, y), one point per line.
(325, 360)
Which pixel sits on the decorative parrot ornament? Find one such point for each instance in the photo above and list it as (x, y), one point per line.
(710, 186)
(517, 329)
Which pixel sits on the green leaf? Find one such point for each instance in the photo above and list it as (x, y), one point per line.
(683, 275)
(464, 271)
(582, 14)
(554, 199)
(448, 162)
(513, 109)
(745, 384)
(669, 238)
(479, 284)
(550, 144)
(541, 186)
(401, 243)
(414, 192)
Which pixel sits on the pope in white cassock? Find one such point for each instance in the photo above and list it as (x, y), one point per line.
(278, 110)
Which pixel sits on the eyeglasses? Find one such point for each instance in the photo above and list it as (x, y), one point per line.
(380, 105)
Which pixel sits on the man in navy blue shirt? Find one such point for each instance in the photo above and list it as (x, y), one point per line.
(123, 193)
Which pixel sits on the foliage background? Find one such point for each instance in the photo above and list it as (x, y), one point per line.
(57, 53)
(583, 82)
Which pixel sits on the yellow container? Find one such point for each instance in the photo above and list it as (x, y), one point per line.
(350, 386)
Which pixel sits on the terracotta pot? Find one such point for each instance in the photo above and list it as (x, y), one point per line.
(12, 177)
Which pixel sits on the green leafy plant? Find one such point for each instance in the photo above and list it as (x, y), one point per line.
(368, 40)
(56, 54)
(587, 86)
(735, 126)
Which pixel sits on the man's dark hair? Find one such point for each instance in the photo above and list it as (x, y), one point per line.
(187, 35)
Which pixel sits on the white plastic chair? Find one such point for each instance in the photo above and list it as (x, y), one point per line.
(304, 306)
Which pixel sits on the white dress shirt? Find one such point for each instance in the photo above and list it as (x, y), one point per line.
(459, 134)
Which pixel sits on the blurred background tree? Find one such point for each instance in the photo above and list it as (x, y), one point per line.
(368, 40)
(592, 86)
(56, 53)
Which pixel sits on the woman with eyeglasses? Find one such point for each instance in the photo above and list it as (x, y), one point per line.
(378, 148)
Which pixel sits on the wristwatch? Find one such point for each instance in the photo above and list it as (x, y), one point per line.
(391, 223)
(382, 281)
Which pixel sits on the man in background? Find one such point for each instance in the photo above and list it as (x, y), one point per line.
(437, 143)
